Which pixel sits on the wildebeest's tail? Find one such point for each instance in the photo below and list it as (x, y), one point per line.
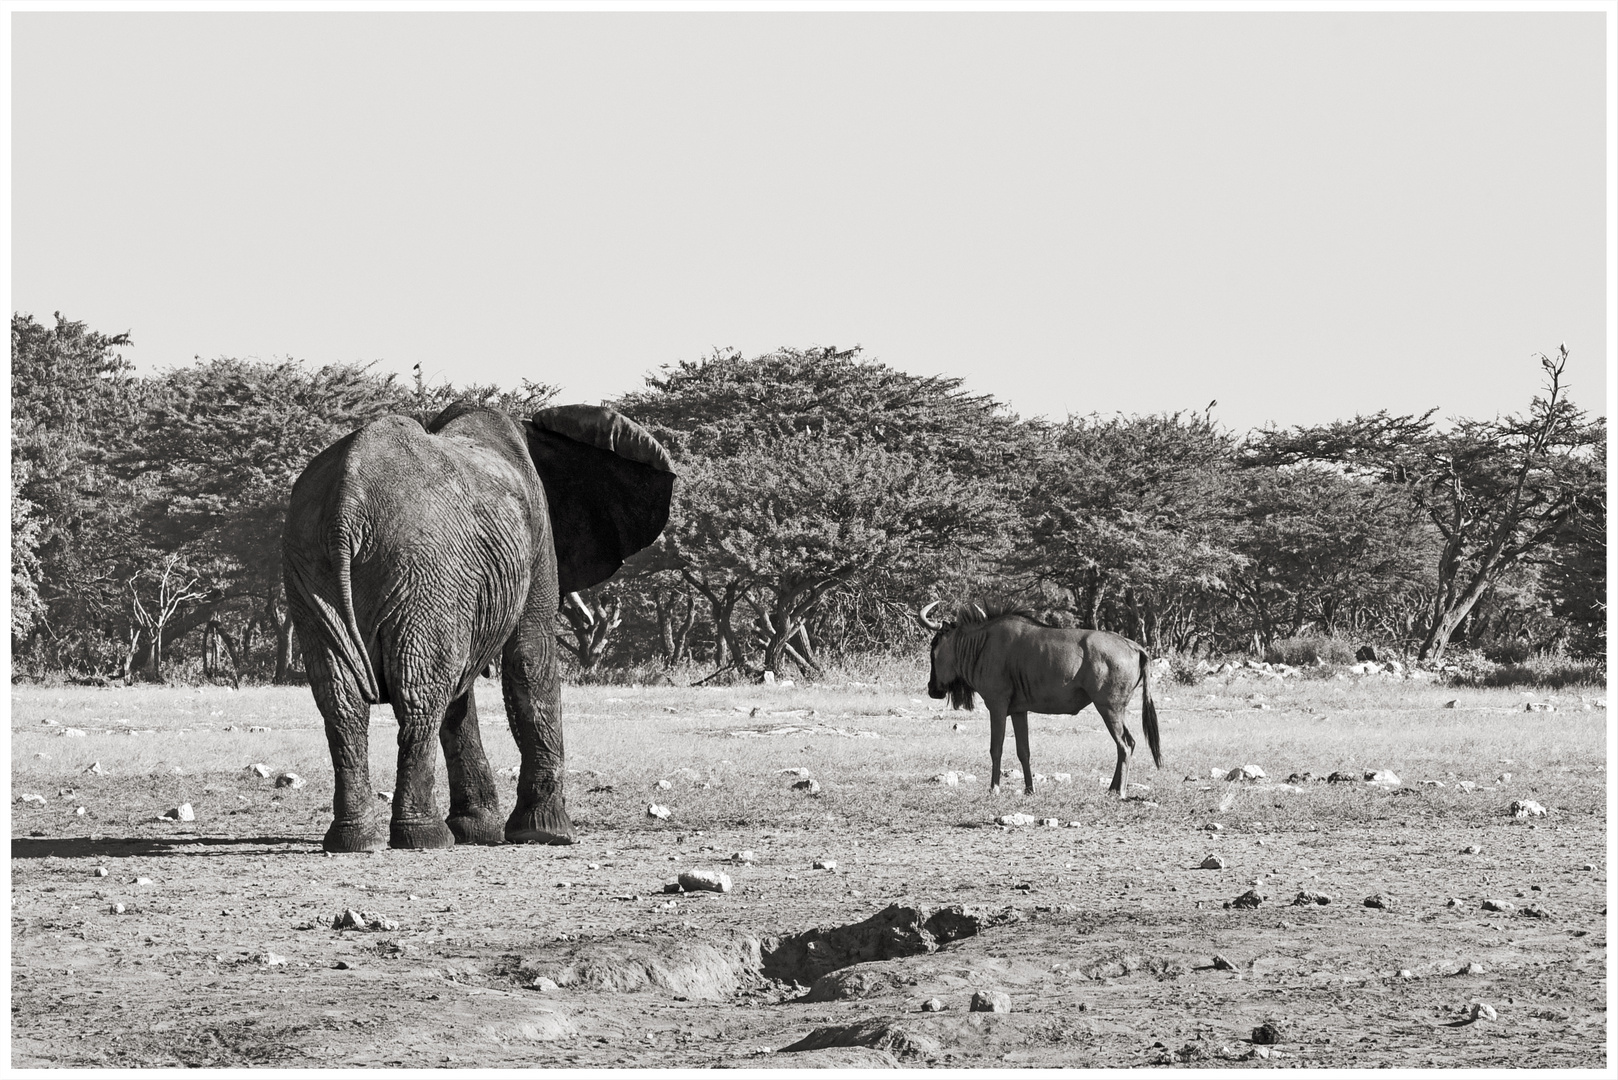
(1148, 712)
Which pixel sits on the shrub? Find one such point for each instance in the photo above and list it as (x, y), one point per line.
(1512, 651)
(1543, 672)
(1184, 668)
(1309, 648)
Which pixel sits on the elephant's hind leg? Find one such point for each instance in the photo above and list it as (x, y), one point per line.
(474, 804)
(356, 824)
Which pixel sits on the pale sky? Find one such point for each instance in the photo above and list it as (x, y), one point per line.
(1303, 215)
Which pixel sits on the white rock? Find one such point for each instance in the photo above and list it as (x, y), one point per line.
(1050, 823)
(811, 786)
(825, 864)
(660, 812)
(705, 881)
(969, 779)
(1483, 1011)
(1538, 706)
(795, 772)
(101, 871)
(290, 780)
(79, 812)
(1466, 785)
(73, 733)
(143, 881)
(990, 1001)
(950, 778)
(259, 770)
(183, 812)
(271, 959)
(95, 769)
(1527, 808)
(118, 909)
(40, 799)
(1386, 777)
(786, 682)
(1016, 820)
(745, 856)
(542, 983)
(769, 678)
(663, 785)
(1063, 778)
(1245, 772)
(1213, 862)
(1503, 778)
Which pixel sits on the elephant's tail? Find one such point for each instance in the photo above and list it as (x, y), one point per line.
(335, 617)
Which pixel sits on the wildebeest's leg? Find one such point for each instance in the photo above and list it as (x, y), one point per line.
(997, 741)
(474, 804)
(1125, 742)
(1019, 724)
(533, 707)
(356, 825)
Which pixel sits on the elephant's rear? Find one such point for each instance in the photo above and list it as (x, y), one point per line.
(382, 535)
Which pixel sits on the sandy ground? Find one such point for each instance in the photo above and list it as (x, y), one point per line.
(1104, 937)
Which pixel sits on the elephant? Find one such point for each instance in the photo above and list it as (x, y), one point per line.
(415, 556)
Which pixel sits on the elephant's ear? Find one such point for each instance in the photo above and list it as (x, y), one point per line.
(608, 484)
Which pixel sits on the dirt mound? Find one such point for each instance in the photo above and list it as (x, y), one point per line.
(895, 931)
(543, 1025)
(833, 1057)
(852, 983)
(877, 1033)
(705, 971)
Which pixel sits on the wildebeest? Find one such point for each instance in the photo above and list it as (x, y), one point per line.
(1020, 666)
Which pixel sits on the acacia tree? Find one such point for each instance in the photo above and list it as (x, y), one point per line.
(224, 441)
(1130, 514)
(1498, 491)
(784, 523)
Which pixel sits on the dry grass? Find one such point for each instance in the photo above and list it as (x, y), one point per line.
(622, 740)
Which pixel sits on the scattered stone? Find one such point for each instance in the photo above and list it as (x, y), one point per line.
(1341, 777)
(1526, 808)
(290, 780)
(1248, 899)
(825, 864)
(1471, 849)
(1503, 778)
(1454, 901)
(1266, 1034)
(1379, 900)
(183, 812)
(1473, 968)
(1451, 703)
(746, 857)
(1406, 973)
(73, 733)
(40, 799)
(950, 778)
(969, 779)
(118, 909)
(101, 871)
(705, 881)
(1534, 911)
(932, 1005)
(993, 1001)
(95, 769)
(1536, 706)
(1222, 964)
(1264, 705)
(1245, 772)
(1214, 826)
(351, 919)
(543, 984)
(1467, 786)
(1015, 819)
(341, 965)
(271, 959)
(659, 812)
(259, 770)
(811, 786)
(1364, 653)
(1588, 866)
(1213, 862)
(1483, 1011)
(384, 796)
(1305, 898)
(663, 785)
(143, 881)
(1385, 777)
(1490, 904)
(1063, 778)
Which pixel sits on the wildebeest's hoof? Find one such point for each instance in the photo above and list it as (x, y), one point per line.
(540, 825)
(419, 835)
(1029, 790)
(354, 836)
(480, 827)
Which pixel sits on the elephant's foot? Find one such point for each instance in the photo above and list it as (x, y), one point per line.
(547, 823)
(420, 835)
(477, 827)
(348, 836)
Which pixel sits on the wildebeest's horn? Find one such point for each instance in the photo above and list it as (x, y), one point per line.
(927, 620)
(979, 609)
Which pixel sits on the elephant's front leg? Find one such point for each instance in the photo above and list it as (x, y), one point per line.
(533, 707)
(474, 804)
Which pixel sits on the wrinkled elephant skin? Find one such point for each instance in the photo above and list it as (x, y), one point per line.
(414, 558)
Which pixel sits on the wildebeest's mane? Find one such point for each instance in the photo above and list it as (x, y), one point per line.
(977, 614)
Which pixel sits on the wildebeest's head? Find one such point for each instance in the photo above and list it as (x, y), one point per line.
(945, 678)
